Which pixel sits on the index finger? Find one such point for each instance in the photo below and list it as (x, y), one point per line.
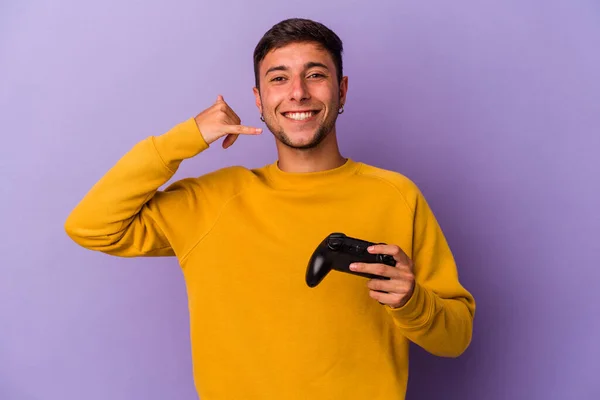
(241, 129)
(391, 250)
(376, 269)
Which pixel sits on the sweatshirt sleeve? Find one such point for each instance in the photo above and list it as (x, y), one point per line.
(439, 315)
(124, 213)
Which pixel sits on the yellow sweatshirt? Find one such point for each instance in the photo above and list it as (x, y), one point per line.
(243, 238)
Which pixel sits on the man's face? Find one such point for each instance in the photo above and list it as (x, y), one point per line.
(299, 94)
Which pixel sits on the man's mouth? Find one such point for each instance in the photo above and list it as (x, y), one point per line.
(300, 115)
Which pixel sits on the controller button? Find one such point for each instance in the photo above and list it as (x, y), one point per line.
(384, 258)
(334, 244)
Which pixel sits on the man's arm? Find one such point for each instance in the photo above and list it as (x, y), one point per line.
(424, 296)
(124, 214)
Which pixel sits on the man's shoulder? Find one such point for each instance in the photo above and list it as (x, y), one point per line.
(223, 182)
(236, 175)
(401, 183)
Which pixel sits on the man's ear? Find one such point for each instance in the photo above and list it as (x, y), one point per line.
(258, 100)
(343, 90)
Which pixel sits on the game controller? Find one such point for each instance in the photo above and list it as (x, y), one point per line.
(336, 252)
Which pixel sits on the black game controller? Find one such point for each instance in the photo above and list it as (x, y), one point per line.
(336, 252)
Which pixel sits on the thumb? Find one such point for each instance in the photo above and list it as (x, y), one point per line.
(220, 99)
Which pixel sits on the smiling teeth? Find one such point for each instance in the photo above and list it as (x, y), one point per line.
(300, 116)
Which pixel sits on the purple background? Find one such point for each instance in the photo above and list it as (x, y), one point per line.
(492, 108)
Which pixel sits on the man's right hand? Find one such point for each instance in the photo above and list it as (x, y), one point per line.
(220, 120)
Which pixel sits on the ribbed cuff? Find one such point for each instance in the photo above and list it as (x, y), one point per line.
(417, 311)
(182, 142)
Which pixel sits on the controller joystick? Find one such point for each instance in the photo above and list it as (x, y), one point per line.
(336, 252)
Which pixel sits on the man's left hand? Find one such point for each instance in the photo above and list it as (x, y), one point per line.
(401, 284)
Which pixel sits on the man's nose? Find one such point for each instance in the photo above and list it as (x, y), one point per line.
(299, 90)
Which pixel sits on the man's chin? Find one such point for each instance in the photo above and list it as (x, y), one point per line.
(299, 139)
(303, 142)
(301, 146)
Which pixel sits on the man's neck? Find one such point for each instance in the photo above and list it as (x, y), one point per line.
(321, 158)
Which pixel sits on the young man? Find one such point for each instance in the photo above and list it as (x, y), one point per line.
(243, 239)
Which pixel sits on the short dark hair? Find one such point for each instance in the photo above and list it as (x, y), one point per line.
(296, 30)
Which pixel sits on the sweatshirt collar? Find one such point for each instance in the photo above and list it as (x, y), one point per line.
(309, 180)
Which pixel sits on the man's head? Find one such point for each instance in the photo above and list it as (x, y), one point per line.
(299, 81)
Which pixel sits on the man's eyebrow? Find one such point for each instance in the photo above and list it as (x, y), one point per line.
(308, 65)
(313, 64)
(277, 68)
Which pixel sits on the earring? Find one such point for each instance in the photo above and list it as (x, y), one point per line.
(262, 118)
(341, 110)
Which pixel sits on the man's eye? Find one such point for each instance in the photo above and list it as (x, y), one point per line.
(316, 75)
(278, 79)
